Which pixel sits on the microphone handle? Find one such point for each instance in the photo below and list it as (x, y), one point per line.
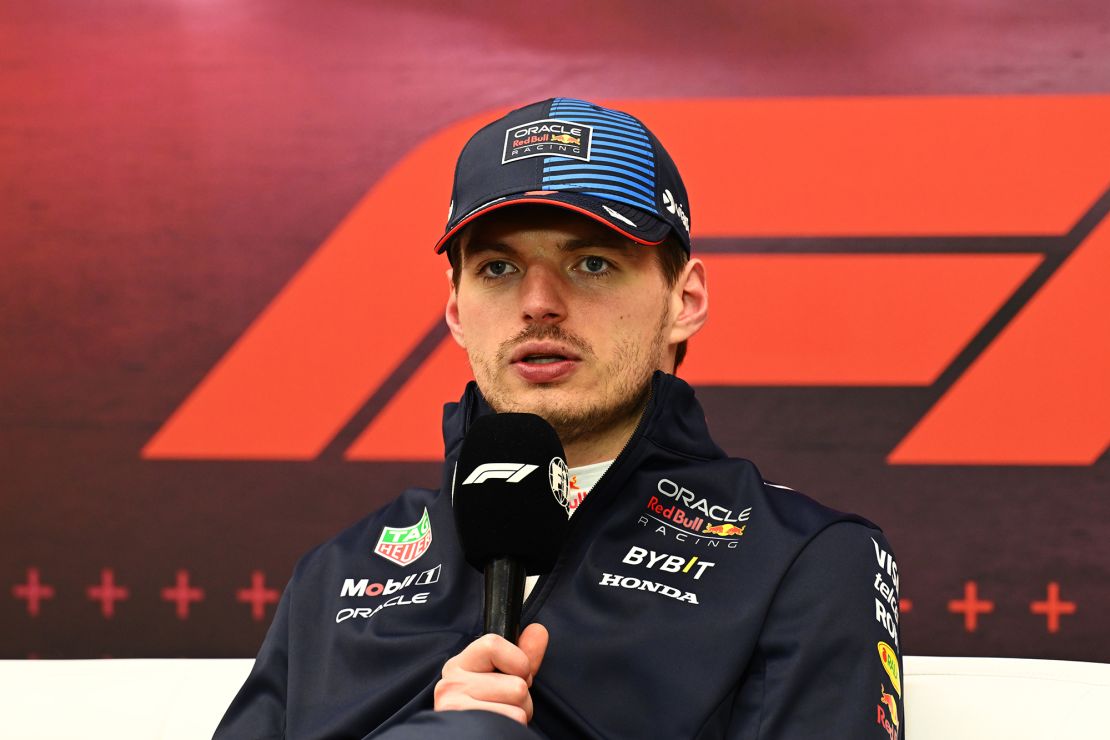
(504, 597)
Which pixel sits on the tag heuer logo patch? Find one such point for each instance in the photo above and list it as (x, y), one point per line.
(549, 137)
(403, 545)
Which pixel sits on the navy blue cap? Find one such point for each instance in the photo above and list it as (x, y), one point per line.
(574, 154)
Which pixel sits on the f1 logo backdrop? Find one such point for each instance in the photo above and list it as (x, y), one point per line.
(214, 361)
(959, 243)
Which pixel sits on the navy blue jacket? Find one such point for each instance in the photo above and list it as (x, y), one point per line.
(692, 600)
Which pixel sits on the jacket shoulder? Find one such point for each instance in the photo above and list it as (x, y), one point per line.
(806, 510)
(404, 511)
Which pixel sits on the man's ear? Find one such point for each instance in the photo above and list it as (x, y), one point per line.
(451, 314)
(689, 302)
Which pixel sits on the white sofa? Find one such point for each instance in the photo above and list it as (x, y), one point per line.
(946, 698)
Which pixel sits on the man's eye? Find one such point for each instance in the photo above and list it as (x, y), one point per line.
(496, 268)
(594, 265)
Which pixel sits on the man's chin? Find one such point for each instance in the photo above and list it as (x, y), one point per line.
(546, 403)
(577, 418)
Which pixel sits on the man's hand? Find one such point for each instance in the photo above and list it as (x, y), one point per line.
(470, 680)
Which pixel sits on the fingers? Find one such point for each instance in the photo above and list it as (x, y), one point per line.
(489, 653)
(494, 675)
(533, 643)
(492, 692)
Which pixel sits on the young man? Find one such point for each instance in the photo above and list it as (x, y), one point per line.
(692, 599)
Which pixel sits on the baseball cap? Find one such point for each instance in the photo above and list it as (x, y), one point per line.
(574, 154)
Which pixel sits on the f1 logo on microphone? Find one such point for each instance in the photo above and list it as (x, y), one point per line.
(511, 472)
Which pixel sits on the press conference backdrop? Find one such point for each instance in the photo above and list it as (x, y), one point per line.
(221, 317)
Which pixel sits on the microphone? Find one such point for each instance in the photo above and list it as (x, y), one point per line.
(509, 493)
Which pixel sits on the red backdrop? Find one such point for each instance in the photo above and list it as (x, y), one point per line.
(220, 313)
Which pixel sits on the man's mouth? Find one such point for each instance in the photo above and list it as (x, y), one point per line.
(543, 362)
(543, 359)
(542, 353)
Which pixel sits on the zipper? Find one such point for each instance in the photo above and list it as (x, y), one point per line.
(619, 459)
(574, 520)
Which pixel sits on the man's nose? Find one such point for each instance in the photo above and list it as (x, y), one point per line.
(542, 295)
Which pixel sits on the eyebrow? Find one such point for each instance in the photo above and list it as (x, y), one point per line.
(600, 240)
(604, 240)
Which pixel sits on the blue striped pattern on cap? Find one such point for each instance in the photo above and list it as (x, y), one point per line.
(622, 161)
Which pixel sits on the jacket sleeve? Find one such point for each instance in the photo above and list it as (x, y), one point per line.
(829, 661)
(258, 711)
(456, 725)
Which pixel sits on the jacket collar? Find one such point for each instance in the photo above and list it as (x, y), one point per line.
(673, 420)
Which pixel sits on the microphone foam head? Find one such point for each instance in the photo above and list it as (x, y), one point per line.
(510, 492)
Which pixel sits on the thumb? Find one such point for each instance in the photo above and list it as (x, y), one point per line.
(533, 641)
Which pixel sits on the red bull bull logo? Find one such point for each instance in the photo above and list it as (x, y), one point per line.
(725, 530)
(566, 139)
(887, 713)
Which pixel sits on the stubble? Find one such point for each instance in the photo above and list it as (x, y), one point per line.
(625, 384)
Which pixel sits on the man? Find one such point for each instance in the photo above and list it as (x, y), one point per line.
(692, 599)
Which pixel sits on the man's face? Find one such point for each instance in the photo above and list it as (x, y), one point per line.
(561, 317)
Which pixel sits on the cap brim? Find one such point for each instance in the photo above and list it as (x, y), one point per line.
(637, 225)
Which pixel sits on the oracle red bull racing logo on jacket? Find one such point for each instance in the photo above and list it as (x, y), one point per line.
(681, 513)
(403, 545)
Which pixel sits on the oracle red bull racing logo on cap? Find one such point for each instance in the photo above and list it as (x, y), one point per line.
(403, 545)
(548, 137)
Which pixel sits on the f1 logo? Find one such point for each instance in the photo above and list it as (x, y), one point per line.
(510, 472)
(949, 243)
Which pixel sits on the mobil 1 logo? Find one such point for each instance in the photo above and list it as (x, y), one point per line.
(394, 592)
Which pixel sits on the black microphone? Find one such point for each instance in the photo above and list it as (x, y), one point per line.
(509, 495)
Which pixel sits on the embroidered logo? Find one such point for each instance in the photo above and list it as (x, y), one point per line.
(676, 208)
(725, 530)
(619, 216)
(403, 545)
(558, 475)
(548, 137)
(890, 664)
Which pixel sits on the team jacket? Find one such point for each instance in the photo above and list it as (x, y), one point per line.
(692, 599)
